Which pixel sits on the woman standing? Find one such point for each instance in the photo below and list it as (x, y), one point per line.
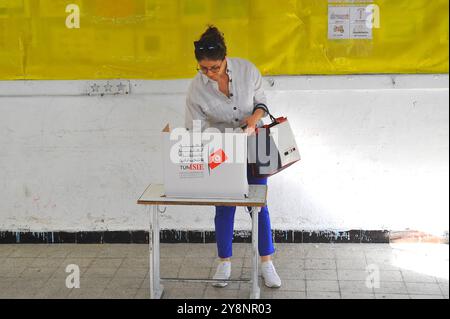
(225, 94)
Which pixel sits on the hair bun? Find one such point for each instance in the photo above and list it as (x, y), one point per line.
(213, 38)
(213, 33)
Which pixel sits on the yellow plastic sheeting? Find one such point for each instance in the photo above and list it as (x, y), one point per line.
(153, 39)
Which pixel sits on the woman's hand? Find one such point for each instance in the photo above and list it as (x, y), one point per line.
(252, 121)
(223, 69)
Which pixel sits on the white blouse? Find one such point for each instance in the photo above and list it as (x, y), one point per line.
(206, 103)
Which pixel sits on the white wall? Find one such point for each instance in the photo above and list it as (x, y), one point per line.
(374, 148)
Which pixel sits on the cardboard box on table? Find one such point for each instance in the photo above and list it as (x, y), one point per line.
(204, 165)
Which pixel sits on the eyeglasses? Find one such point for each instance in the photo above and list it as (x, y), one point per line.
(213, 69)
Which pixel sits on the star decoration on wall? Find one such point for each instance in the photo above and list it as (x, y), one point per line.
(108, 87)
(121, 87)
(95, 87)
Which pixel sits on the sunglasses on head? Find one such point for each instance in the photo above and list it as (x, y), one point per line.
(202, 46)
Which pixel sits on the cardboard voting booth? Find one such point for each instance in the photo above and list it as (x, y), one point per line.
(204, 164)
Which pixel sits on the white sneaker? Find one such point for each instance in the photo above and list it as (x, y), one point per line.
(223, 272)
(271, 278)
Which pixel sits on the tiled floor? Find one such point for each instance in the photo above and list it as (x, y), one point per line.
(307, 270)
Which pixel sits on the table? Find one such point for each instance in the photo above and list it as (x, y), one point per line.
(154, 198)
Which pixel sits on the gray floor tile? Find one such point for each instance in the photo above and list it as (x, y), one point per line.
(26, 251)
(5, 251)
(52, 293)
(14, 262)
(346, 295)
(122, 271)
(323, 295)
(282, 265)
(84, 293)
(38, 273)
(232, 286)
(171, 271)
(94, 282)
(117, 251)
(322, 285)
(391, 287)
(320, 253)
(11, 272)
(423, 289)
(358, 275)
(443, 280)
(412, 276)
(236, 262)
(288, 295)
(80, 261)
(84, 252)
(204, 262)
(248, 262)
(132, 262)
(288, 251)
(426, 296)
(43, 262)
(321, 274)
(174, 250)
(218, 293)
(320, 264)
(170, 261)
(386, 260)
(18, 293)
(58, 282)
(287, 274)
(239, 250)
(194, 273)
(125, 283)
(6, 282)
(391, 296)
(243, 273)
(186, 293)
(356, 254)
(390, 275)
(289, 285)
(64, 270)
(444, 288)
(382, 265)
(131, 272)
(29, 283)
(143, 294)
(119, 293)
(351, 264)
(54, 252)
(376, 247)
(352, 286)
(101, 272)
(200, 250)
(106, 263)
(244, 293)
(187, 285)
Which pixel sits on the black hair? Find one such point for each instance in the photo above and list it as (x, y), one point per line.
(211, 45)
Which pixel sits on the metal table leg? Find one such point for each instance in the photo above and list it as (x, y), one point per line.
(156, 290)
(255, 292)
(150, 254)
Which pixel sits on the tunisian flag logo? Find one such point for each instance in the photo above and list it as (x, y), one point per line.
(217, 158)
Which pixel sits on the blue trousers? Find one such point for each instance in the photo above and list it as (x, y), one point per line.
(224, 222)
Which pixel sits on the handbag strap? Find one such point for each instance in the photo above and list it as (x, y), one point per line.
(264, 107)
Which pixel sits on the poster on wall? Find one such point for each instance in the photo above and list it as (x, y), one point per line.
(349, 21)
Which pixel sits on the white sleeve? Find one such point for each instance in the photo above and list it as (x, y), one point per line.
(194, 113)
(259, 95)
